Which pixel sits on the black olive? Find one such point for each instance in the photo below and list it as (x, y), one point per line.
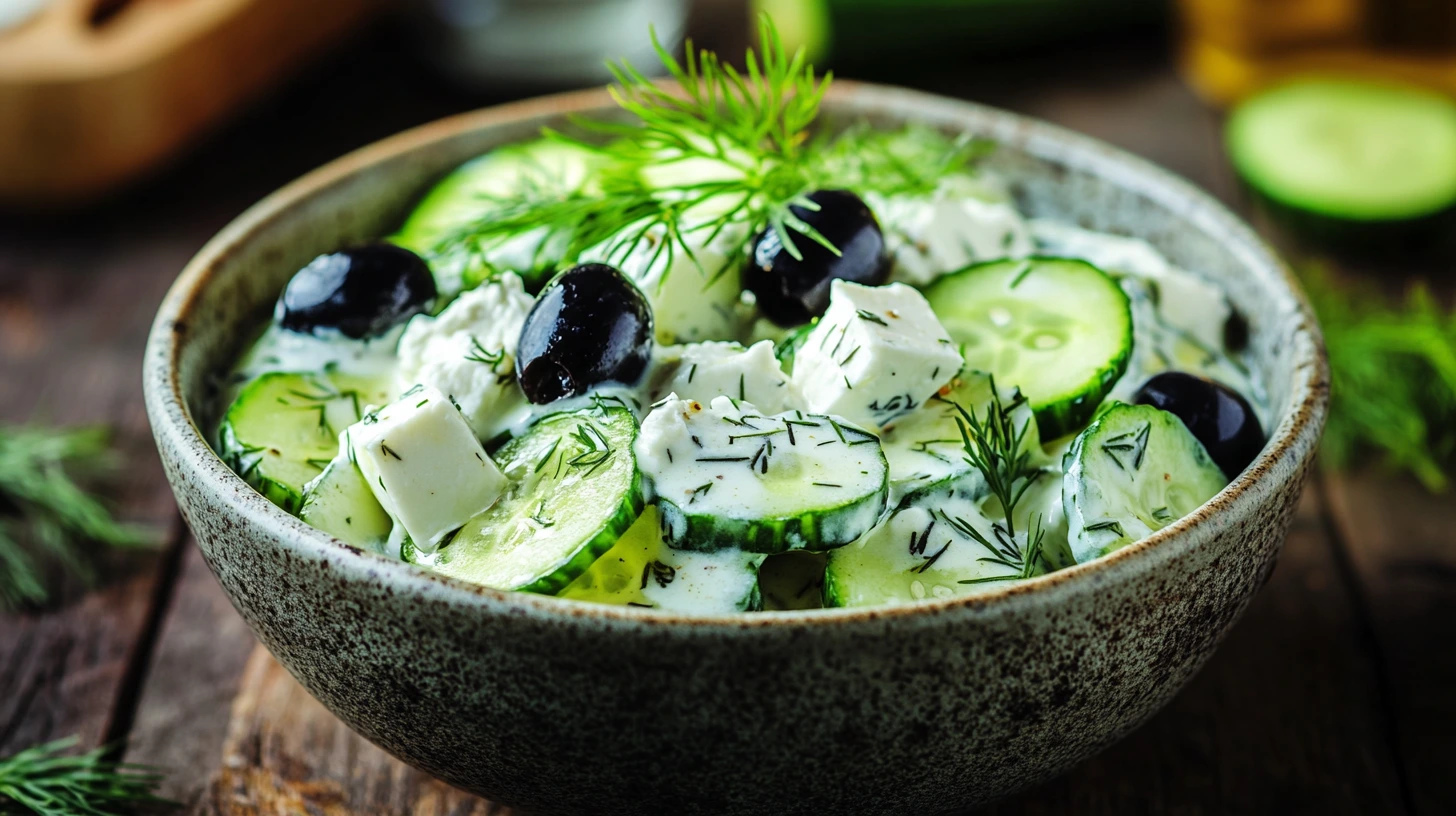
(590, 325)
(1217, 416)
(362, 291)
(792, 290)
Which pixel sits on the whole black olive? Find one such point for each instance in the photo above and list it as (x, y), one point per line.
(1217, 416)
(590, 325)
(362, 291)
(792, 290)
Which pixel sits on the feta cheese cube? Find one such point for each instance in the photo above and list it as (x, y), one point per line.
(468, 352)
(425, 465)
(708, 370)
(878, 352)
(930, 236)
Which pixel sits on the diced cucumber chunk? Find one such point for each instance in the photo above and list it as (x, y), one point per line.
(476, 188)
(340, 503)
(1134, 471)
(1058, 329)
(574, 489)
(641, 570)
(726, 476)
(942, 541)
(926, 445)
(283, 429)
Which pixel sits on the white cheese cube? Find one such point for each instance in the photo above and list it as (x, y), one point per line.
(708, 370)
(468, 352)
(930, 236)
(425, 465)
(878, 352)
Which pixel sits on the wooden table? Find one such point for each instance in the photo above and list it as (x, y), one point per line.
(1331, 696)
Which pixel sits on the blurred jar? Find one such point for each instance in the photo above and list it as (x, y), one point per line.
(1232, 48)
(544, 44)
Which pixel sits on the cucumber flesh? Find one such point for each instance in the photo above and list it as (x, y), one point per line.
(1057, 328)
(726, 476)
(283, 429)
(942, 541)
(641, 570)
(1349, 150)
(1134, 471)
(574, 489)
(340, 503)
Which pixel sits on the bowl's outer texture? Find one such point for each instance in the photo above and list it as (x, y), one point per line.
(572, 708)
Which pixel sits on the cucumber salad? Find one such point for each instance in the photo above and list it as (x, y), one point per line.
(719, 356)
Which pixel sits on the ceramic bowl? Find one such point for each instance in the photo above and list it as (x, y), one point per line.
(563, 707)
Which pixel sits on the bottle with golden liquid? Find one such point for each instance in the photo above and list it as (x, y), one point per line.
(1232, 48)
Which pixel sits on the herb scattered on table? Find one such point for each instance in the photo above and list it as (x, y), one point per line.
(47, 519)
(48, 781)
(1393, 366)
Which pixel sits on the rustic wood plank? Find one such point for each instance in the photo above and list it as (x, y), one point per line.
(1283, 719)
(285, 753)
(1397, 542)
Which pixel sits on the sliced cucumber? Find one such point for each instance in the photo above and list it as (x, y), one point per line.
(574, 490)
(1135, 470)
(641, 570)
(473, 190)
(1057, 328)
(726, 476)
(340, 503)
(926, 446)
(940, 542)
(1349, 150)
(283, 429)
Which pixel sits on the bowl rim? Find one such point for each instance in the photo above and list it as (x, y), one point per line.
(1295, 434)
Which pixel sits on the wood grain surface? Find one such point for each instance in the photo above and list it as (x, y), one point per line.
(1331, 696)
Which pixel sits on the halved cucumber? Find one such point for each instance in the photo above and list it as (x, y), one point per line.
(473, 190)
(940, 542)
(1058, 329)
(1349, 150)
(641, 570)
(726, 476)
(283, 429)
(340, 503)
(574, 490)
(1135, 470)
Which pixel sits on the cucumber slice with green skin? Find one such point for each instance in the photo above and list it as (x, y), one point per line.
(940, 542)
(726, 476)
(926, 446)
(340, 503)
(1134, 471)
(470, 193)
(1058, 329)
(283, 429)
(574, 490)
(1348, 150)
(641, 570)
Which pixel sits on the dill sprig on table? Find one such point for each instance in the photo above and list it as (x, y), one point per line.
(46, 518)
(725, 154)
(48, 781)
(1393, 365)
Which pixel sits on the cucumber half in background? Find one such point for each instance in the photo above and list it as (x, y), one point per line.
(574, 489)
(283, 429)
(1134, 471)
(1330, 153)
(1057, 328)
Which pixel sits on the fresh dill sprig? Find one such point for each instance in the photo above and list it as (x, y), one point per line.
(1393, 365)
(46, 518)
(47, 781)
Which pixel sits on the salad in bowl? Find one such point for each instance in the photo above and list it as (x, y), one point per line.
(721, 356)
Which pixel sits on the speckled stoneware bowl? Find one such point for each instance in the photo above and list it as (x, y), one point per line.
(563, 707)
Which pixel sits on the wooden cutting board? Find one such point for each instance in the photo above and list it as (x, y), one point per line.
(95, 92)
(285, 754)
